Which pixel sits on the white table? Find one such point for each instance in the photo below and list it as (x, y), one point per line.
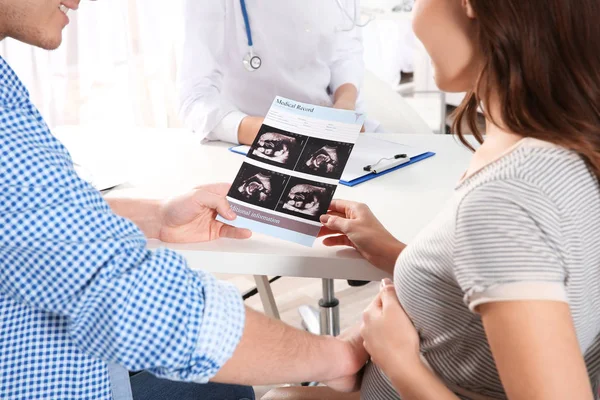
(161, 163)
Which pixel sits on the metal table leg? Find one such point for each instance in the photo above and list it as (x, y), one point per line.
(325, 321)
(330, 311)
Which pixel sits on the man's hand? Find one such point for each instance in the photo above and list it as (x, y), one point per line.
(293, 355)
(191, 218)
(351, 383)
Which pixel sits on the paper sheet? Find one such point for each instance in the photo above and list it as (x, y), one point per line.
(369, 150)
(292, 170)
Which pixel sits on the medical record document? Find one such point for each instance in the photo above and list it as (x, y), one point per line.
(289, 177)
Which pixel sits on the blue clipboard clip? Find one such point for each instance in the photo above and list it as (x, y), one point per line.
(387, 163)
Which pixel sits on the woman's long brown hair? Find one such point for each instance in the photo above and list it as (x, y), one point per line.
(541, 59)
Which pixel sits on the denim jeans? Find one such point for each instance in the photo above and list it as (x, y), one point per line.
(146, 386)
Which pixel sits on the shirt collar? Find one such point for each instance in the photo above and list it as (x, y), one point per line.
(12, 89)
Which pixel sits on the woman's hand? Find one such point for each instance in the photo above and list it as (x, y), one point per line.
(191, 218)
(353, 224)
(393, 343)
(388, 333)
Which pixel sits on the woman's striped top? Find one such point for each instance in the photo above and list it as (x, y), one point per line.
(526, 226)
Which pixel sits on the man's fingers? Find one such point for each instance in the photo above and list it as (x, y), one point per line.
(216, 202)
(224, 209)
(232, 232)
(217, 188)
(340, 240)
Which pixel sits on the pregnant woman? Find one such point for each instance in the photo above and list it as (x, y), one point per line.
(499, 296)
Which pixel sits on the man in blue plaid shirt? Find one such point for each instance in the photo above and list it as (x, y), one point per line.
(81, 298)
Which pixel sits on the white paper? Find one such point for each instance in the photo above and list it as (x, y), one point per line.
(292, 170)
(369, 150)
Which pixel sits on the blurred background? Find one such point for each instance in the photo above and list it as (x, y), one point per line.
(119, 59)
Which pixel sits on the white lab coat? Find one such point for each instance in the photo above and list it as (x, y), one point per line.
(302, 51)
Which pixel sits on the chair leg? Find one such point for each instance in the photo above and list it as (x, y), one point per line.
(266, 296)
(311, 319)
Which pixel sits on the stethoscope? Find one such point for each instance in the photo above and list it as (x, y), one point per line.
(354, 20)
(253, 62)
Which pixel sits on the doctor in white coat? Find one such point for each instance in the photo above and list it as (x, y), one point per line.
(240, 54)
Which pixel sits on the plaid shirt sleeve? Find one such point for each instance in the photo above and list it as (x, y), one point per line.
(63, 251)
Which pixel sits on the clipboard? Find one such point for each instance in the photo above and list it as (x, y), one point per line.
(241, 149)
(367, 151)
(371, 175)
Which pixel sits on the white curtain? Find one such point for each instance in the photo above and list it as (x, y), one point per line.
(117, 66)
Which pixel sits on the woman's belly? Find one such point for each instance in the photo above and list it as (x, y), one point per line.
(376, 386)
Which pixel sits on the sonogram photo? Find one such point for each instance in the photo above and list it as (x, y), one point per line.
(306, 199)
(324, 158)
(258, 186)
(277, 147)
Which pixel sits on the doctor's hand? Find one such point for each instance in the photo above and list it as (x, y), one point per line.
(388, 333)
(190, 218)
(248, 129)
(343, 104)
(353, 224)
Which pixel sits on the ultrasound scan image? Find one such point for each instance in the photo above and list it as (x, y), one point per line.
(275, 147)
(256, 189)
(306, 199)
(324, 160)
(258, 186)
